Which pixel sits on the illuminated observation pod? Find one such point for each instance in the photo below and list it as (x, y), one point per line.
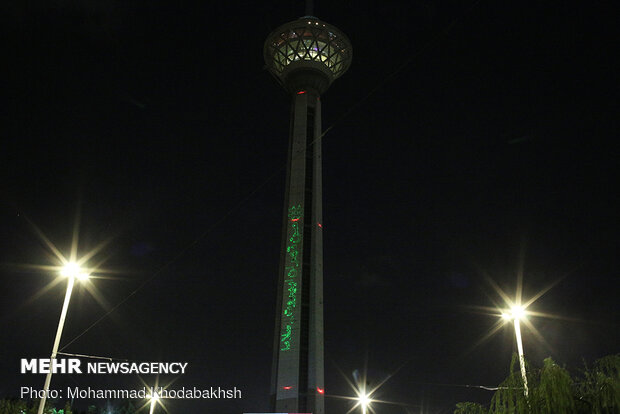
(307, 53)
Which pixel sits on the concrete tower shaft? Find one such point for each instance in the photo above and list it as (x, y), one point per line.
(305, 56)
(297, 372)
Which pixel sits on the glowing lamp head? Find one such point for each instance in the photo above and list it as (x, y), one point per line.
(364, 401)
(73, 269)
(154, 397)
(518, 312)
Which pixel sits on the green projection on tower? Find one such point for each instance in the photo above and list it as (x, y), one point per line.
(292, 251)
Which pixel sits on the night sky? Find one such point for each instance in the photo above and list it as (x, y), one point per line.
(470, 141)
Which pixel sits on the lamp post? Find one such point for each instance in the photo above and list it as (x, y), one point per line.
(364, 401)
(71, 271)
(154, 398)
(516, 313)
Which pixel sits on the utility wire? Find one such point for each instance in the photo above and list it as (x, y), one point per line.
(175, 258)
(95, 357)
(352, 108)
(399, 68)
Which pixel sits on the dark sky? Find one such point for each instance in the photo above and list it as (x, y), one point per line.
(470, 139)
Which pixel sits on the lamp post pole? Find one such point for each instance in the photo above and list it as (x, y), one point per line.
(61, 324)
(154, 398)
(71, 270)
(515, 314)
(520, 349)
(364, 400)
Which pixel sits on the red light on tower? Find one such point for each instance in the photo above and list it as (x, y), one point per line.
(287, 387)
(301, 92)
(320, 390)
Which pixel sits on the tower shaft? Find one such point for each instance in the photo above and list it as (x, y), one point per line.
(306, 56)
(297, 383)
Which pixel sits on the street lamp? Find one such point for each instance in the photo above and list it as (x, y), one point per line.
(154, 398)
(515, 314)
(71, 271)
(364, 401)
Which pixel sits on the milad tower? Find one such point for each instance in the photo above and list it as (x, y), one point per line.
(305, 56)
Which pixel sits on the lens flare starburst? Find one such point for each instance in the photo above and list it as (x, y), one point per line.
(509, 310)
(364, 399)
(72, 266)
(154, 398)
